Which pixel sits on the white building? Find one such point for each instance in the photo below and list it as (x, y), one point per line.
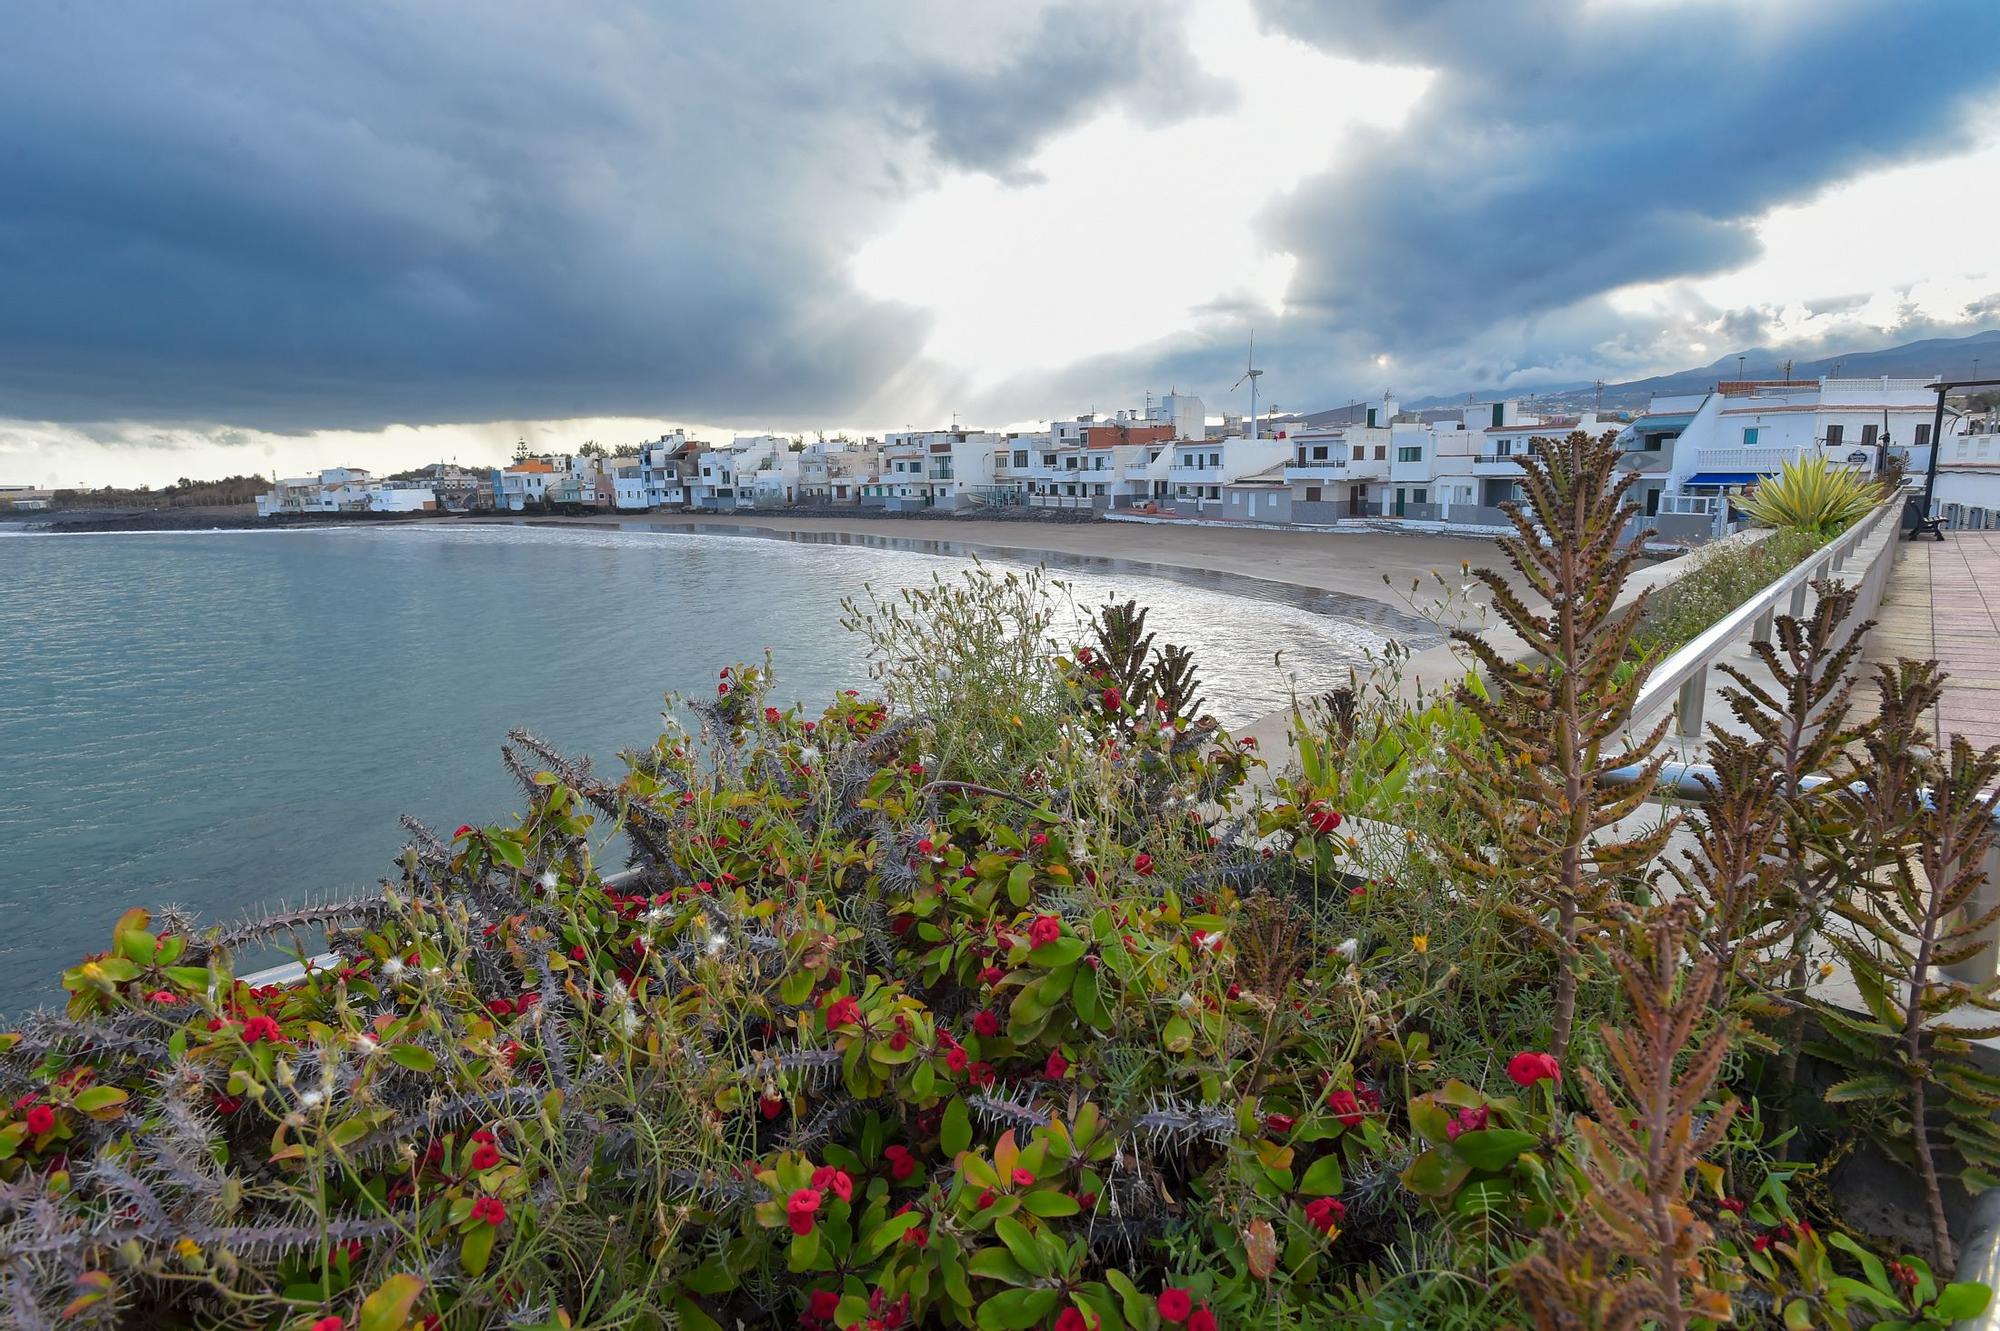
(1748, 429)
(1102, 464)
(935, 469)
(753, 470)
(1967, 493)
(345, 490)
(834, 471)
(1198, 469)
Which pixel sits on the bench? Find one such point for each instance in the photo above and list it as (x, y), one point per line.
(1919, 526)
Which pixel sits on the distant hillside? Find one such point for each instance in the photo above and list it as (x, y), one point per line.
(1949, 356)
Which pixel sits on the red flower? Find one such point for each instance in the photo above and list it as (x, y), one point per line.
(1525, 1069)
(822, 1304)
(1038, 840)
(1202, 1320)
(955, 1059)
(501, 1007)
(925, 846)
(771, 1106)
(329, 1324)
(721, 689)
(485, 1157)
(1733, 1205)
(228, 1104)
(1322, 819)
(986, 1199)
(1056, 1066)
(1326, 1214)
(836, 1181)
(464, 831)
(578, 953)
(771, 716)
(1045, 930)
(992, 975)
(490, 1209)
(1762, 1243)
(799, 1208)
(1069, 1319)
(1142, 864)
(986, 1023)
(41, 1119)
(1113, 699)
(1278, 1124)
(901, 1163)
(1468, 1120)
(980, 1074)
(1345, 1107)
(1175, 1305)
(166, 996)
(899, 1042)
(262, 1028)
(1024, 1178)
(843, 1012)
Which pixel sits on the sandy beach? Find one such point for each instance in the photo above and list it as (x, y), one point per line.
(1348, 562)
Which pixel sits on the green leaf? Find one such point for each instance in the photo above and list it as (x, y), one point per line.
(955, 1133)
(997, 1264)
(477, 1249)
(1324, 1178)
(1018, 882)
(1178, 1034)
(389, 1307)
(1482, 1196)
(889, 1231)
(1436, 1173)
(1493, 1148)
(1017, 1309)
(1048, 1203)
(414, 1057)
(1874, 1086)
(102, 1102)
(688, 1313)
(1061, 952)
(1022, 1244)
(1961, 1299)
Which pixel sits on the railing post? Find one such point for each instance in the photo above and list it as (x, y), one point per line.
(1761, 630)
(1799, 600)
(1687, 710)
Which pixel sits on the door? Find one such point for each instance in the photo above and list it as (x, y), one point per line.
(1399, 502)
(1354, 500)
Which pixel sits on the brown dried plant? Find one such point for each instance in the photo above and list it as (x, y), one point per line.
(1558, 723)
(1629, 1255)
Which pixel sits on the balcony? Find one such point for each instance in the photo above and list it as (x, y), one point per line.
(1764, 460)
(1647, 462)
(1195, 475)
(1497, 464)
(1351, 469)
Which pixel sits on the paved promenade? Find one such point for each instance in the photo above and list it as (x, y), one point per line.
(1965, 626)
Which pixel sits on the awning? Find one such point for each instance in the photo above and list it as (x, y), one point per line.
(1726, 478)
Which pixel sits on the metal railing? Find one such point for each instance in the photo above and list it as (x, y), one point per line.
(1683, 677)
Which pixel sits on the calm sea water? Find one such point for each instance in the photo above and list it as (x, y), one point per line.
(226, 719)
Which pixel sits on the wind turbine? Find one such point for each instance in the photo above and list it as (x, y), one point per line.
(1251, 373)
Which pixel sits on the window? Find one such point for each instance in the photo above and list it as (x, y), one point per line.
(1655, 442)
(1867, 435)
(1215, 492)
(1422, 495)
(1020, 457)
(1749, 436)
(1371, 418)
(1833, 435)
(1319, 453)
(1923, 434)
(1312, 494)
(1215, 460)
(1499, 412)
(1410, 453)
(1381, 452)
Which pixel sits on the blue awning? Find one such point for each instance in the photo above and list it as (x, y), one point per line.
(1662, 423)
(1726, 478)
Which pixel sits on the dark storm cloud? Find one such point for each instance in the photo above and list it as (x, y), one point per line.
(1569, 147)
(297, 216)
(1083, 56)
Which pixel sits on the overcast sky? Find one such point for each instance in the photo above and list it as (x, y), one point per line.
(237, 236)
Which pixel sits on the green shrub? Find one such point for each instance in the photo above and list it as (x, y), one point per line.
(1811, 495)
(1716, 581)
(1129, 1032)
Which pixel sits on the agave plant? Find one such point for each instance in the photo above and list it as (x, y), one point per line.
(1810, 495)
